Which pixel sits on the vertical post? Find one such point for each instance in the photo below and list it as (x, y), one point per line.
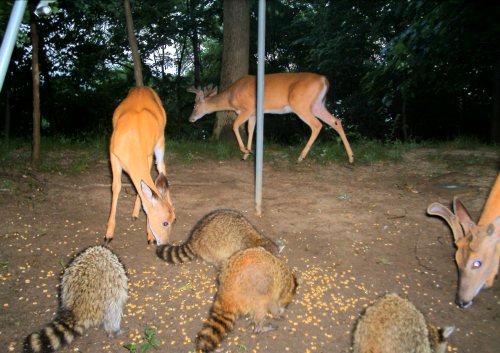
(10, 37)
(259, 144)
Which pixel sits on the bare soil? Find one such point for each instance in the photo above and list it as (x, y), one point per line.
(352, 233)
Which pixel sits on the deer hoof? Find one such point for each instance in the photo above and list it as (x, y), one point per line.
(107, 240)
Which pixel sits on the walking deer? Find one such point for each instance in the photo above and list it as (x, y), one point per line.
(478, 245)
(302, 93)
(138, 133)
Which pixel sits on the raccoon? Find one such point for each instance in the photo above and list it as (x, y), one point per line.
(252, 282)
(93, 291)
(215, 237)
(394, 324)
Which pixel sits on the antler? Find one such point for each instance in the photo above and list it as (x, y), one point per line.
(203, 93)
(194, 90)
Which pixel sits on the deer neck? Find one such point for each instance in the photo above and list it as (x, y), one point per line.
(492, 207)
(219, 102)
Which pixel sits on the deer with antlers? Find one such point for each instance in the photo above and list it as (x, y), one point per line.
(302, 93)
(478, 245)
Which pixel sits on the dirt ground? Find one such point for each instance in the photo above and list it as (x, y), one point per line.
(352, 233)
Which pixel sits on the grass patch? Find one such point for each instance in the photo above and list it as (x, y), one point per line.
(365, 152)
(73, 156)
(57, 154)
(189, 151)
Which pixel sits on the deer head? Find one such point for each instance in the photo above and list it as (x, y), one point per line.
(158, 208)
(200, 105)
(478, 250)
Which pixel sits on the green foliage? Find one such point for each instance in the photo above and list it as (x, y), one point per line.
(62, 154)
(150, 340)
(192, 151)
(426, 66)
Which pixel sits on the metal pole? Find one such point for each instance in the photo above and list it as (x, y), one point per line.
(259, 144)
(10, 37)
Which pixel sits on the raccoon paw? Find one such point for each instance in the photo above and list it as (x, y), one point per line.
(261, 328)
(113, 334)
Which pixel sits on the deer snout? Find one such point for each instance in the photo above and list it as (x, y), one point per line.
(463, 304)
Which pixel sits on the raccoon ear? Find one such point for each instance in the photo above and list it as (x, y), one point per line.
(446, 331)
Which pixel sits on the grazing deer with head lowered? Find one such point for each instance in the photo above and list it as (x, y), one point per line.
(478, 245)
(302, 93)
(138, 133)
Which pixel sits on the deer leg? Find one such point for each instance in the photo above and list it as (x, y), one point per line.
(116, 186)
(250, 130)
(315, 126)
(320, 111)
(160, 156)
(241, 119)
(151, 238)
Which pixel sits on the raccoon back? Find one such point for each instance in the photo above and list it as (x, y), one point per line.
(253, 278)
(217, 236)
(93, 282)
(392, 324)
(93, 290)
(252, 282)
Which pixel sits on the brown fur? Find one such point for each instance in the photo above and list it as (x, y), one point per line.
(478, 245)
(300, 92)
(139, 133)
(216, 237)
(253, 282)
(393, 324)
(93, 291)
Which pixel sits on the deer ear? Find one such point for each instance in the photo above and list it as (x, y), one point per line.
(463, 215)
(161, 183)
(437, 209)
(148, 194)
(163, 187)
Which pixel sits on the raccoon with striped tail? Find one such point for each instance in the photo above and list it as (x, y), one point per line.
(93, 291)
(252, 282)
(217, 236)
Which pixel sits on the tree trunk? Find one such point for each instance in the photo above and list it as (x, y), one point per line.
(495, 116)
(404, 121)
(35, 75)
(195, 42)
(133, 45)
(235, 56)
(6, 126)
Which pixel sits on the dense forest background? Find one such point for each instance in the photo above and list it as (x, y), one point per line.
(398, 70)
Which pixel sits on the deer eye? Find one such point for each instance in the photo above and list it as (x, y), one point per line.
(166, 224)
(476, 264)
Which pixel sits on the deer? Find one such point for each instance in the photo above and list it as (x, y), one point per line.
(138, 132)
(302, 93)
(478, 245)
